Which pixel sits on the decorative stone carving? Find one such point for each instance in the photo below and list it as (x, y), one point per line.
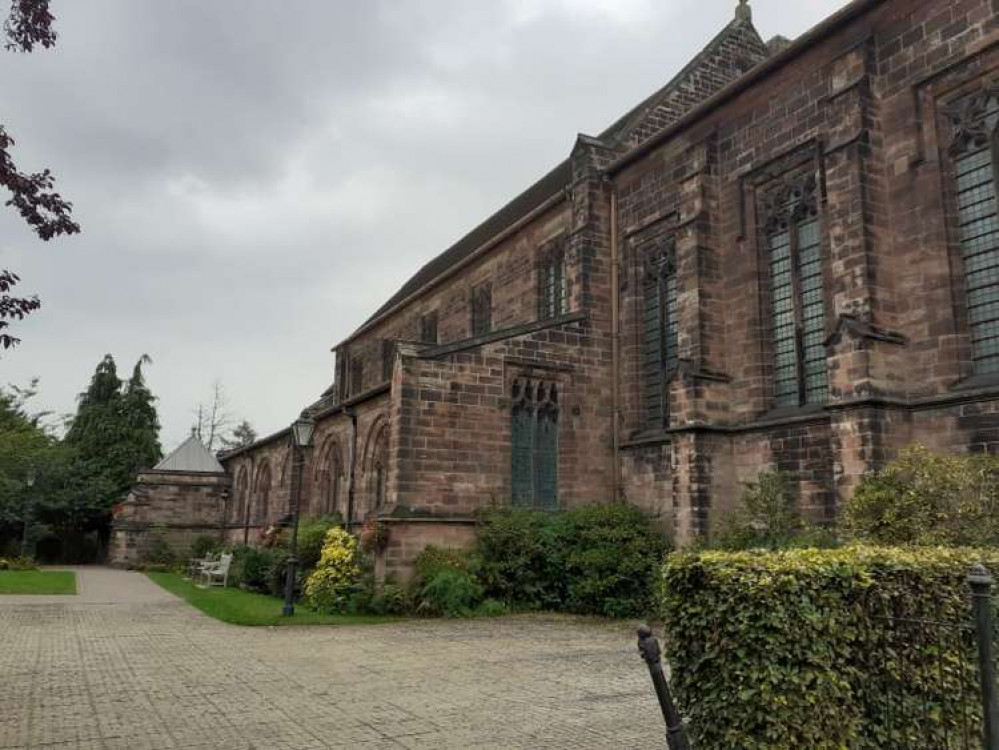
(793, 200)
(971, 124)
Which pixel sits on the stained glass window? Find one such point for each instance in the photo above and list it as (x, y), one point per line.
(482, 309)
(797, 297)
(659, 334)
(428, 328)
(553, 285)
(973, 151)
(534, 445)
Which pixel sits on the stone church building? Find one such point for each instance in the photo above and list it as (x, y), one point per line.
(788, 256)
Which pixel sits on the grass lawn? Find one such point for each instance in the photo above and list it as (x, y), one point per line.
(246, 608)
(37, 582)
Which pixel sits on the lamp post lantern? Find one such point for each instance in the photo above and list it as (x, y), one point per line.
(301, 439)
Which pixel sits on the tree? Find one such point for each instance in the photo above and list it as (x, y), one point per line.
(33, 468)
(241, 436)
(213, 423)
(114, 435)
(29, 23)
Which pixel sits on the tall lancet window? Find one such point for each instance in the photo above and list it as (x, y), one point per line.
(793, 241)
(534, 444)
(659, 333)
(553, 284)
(973, 150)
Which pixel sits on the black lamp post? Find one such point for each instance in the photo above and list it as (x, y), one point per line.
(301, 438)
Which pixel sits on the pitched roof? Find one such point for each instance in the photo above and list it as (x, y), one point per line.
(191, 456)
(664, 106)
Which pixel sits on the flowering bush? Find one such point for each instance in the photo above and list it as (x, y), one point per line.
(338, 569)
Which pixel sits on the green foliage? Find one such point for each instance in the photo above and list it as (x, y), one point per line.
(450, 592)
(158, 550)
(928, 499)
(18, 563)
(251, 567)
(790, 649)
(251, 609)
(205, 544)
(328, 586)
(520, 559)
(311, 536)
(391, 600)
(432, 560)
(598, 559)
(492, 608)
(767, 517)
(611, 555)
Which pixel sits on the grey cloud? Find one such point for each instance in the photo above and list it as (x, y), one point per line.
(254, 178)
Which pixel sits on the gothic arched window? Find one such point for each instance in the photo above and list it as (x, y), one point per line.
(261, 495)
(659, 333)
(330, 479)
(793, 241)
(240, 498)
(973, 150)
(534, 444)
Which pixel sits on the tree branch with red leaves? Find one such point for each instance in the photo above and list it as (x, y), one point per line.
(49, 215)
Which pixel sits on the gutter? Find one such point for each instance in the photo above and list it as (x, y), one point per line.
(799, 46)
(615, 345)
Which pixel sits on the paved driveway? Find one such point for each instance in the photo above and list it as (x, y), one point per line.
(126, 666)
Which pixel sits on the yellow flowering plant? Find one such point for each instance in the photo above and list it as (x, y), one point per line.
(327, 586)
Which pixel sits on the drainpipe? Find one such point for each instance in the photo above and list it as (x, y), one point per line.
(351, 472)
(615, 342)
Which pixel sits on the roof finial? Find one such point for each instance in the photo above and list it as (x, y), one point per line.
(743, 12)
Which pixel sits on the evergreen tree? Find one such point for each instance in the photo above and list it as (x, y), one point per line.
(114, 435)
(243, 435)
(141, 419)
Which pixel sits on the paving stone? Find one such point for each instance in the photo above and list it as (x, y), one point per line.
(124, 665)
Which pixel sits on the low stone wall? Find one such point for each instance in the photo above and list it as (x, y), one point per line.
(408, 537)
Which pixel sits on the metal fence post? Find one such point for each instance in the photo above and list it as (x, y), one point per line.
(676, 735)
(981, 582)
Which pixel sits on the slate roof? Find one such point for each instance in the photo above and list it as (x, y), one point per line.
(557, 179)
(191, 456)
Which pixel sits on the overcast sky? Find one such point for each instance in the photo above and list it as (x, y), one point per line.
(254, 178)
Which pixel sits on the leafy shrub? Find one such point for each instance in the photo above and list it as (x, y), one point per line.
(433, 560)
(252, 567)
(449, 593)
(599, 559)
(204, 544)
(391, 600)
(312, 536)
(327, 587)
(22, 562)
(492, 608)
(767, 516)
(791, 649)
(158, 550)
(519, 559)
(277, 572)
(928, 499)
(611, 554)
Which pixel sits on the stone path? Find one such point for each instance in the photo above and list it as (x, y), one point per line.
(126, 666)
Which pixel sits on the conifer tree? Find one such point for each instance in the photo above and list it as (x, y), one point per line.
(115, 435)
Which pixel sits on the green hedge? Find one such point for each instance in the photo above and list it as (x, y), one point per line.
(789, 650)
